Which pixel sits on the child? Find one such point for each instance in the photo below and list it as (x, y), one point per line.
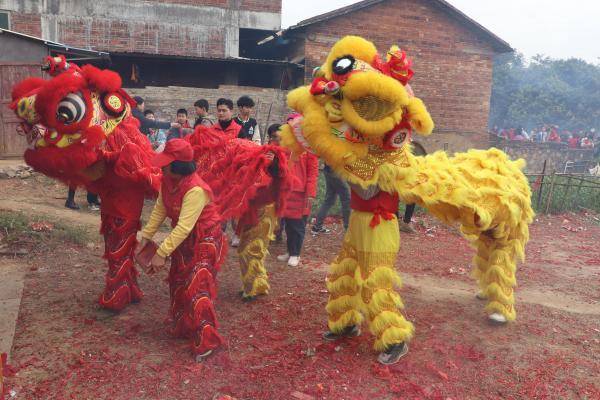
(305, 168)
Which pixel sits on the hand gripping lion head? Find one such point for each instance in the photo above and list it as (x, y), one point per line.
(357, 101)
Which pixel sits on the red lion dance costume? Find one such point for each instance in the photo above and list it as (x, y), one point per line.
(80, 130)
(251, 188)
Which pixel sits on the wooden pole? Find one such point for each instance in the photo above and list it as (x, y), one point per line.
(549, 201)
(567, 188)
(539, 199)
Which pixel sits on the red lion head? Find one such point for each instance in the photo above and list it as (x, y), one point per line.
(68, 118)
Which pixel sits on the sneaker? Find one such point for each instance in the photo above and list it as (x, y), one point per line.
(94, 207)
(293, 261)
(393, 354)
(283, 257)
(498, 318)
(235, 241)
(406, 228)
(202, 357)
(319, 229)
(72, 205)
(348, 332)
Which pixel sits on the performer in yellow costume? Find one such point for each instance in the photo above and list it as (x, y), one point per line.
(358, 115)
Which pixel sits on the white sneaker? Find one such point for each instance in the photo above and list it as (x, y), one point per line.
(235, 241)
(283, 257)
(498, 318)
(293, 261)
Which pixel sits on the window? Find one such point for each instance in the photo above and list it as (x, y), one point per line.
(4, 20)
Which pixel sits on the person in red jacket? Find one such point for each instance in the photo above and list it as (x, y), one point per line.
(225, 124)
(305, 170)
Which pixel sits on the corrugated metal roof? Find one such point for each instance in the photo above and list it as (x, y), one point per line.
(222, 59)
(56, 45)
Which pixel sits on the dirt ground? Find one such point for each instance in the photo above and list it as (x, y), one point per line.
(66, 347)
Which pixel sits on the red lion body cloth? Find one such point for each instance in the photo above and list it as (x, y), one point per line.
(80, 131)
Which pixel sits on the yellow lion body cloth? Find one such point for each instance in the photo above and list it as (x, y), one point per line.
(358, 116)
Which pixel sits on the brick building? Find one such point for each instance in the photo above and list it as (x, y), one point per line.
(452, 58)
(175, 51)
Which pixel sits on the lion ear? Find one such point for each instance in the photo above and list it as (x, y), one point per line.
(419, 117)
(392, 50)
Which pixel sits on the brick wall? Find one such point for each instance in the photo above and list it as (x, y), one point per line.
(555, 154)
(26, 23)
(165, 101)
(201, 28)
(453, 67)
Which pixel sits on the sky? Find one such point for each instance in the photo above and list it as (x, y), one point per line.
(558, 29)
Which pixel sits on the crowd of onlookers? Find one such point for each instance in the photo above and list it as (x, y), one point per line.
(551, 133)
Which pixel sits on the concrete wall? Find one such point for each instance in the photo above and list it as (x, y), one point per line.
(453, 66)
(555, 154)
(202, 28)
(17, 49)
(165, 101)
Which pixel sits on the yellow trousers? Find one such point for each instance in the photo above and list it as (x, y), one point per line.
(362, 282)
(253, 250)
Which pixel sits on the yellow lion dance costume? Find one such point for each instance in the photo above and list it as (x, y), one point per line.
(358, 115)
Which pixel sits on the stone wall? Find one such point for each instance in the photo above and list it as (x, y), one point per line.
(555, 154)
(165, 101)
(453, 65)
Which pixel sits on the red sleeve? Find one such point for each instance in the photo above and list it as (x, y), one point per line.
(312, 174)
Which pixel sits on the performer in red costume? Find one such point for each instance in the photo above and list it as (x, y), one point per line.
(80, 131)
(196, 245)
(251, 183)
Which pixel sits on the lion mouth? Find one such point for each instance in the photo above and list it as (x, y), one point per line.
(373, 108)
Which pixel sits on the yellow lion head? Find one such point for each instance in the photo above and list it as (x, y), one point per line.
(358, 102)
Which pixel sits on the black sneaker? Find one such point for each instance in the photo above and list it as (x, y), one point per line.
(319, 229)
(393, 354)
(348, 332)
(72, 205)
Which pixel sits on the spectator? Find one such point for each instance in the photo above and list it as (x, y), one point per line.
(304, 189)
(182, 118)
(145, 123)
(554, 136)
(305, 168)
(334, 187)
(92, 199)
(184, 128)
(587, 143)
(201, 107)
(225, 124)
(249, 125)
(574, 141)
(157, 137)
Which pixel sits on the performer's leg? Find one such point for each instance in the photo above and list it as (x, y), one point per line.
(495, 268)
(253, 250)
(376, 256)
(121, 278)
(343, 305)
(192, 282)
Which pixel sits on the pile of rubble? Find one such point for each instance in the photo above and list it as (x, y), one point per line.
(20, 171)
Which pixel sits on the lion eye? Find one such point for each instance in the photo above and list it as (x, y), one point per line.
(343, 65)
(71, 109)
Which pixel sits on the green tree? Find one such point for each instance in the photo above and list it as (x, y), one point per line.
(545, 91)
